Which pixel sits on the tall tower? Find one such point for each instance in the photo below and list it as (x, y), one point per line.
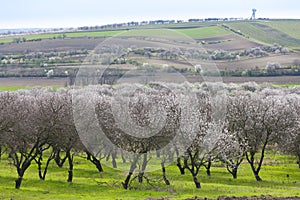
(253, 14)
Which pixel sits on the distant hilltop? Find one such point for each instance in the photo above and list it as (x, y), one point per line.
(17, 31)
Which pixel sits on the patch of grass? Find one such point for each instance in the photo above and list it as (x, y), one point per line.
(6, 40)
(11, 88)
(204, 32)
(288, 85)
(15, 88)
(88, 183)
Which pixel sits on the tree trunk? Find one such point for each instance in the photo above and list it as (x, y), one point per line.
(39, 163)
(208, 166)
(123, 158)
(21, 171)
(98, 166)
(164, 174)
(59, 161)
(132, 168)
(144, 165)
(197, 183)
(251, 162)
(18, 182)
(257, 176)
(46, 167)
(70, 170)
(114, 156)
(95, 161)
(234, 173)
(126, 182)
(181, 169)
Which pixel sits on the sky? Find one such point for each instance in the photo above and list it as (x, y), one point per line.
(75, 13)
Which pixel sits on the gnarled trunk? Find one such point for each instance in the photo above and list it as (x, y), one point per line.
(95, 161)
(197, 183)
(131, 170)
(58, 160)
(257, 177)
(144, 165)
(126, 182)
(164, 174)
(180, 167)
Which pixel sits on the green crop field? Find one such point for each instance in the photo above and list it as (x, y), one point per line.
(11, 88)
(71, 34)
(262, 33)
(290, 27)
(88, 183)
(205, 32)
(95, 34)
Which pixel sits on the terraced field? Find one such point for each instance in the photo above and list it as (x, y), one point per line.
(264, 34)
(290, 27)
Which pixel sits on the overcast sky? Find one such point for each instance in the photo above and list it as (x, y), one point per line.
(74, 13)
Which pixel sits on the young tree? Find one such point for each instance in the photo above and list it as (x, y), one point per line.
(290, 141)
(231, 152)
(27, 138)
(258, 118)
(130, 119)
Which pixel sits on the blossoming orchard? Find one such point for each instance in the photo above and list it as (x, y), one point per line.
(138, 128)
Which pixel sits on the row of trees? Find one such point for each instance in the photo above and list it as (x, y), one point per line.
(190, 125)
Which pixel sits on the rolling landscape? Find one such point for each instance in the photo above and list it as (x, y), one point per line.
(241, 50)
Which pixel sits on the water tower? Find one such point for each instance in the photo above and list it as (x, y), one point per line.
(253, 14)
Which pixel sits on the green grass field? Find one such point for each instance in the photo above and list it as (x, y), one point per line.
(290, 27)
(88, 183)
(265, 34)
(11, 88)
(283, 32)
(71, 34)
(205, 32)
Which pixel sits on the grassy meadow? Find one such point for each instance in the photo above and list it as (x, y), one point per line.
(88, 183)
(205, 32)
(269, 33)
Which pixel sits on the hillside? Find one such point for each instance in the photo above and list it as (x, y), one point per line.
(236, 48)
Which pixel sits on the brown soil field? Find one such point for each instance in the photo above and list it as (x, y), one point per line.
(32, 82)
(261, 62)
(44, 82)
(230, 42)
(259, 80)
(270, 79)
(48, 45)
(89, 43)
